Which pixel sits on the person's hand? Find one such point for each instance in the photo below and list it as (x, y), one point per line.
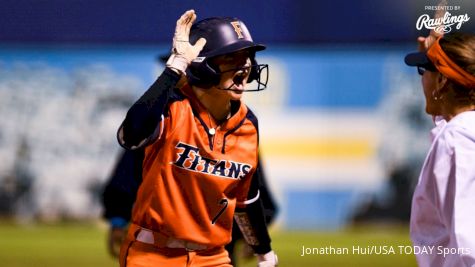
(183, 52)
(267, 260)
(114, 240)
(425, 42)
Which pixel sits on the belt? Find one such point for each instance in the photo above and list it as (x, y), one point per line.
(148, 236)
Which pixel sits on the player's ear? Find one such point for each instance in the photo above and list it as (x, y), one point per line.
(441, 81)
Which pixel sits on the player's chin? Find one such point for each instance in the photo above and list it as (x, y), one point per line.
(236, 94)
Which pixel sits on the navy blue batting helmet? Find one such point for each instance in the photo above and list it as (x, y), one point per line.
(224, 35)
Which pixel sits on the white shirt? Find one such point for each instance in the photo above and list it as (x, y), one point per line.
(443, 205)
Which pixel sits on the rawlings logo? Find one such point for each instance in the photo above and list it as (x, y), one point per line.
(190, 159)
(441, 25)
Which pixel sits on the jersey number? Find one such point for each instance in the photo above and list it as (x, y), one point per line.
(223, 202)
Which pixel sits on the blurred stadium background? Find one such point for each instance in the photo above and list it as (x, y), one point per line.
(343, 131)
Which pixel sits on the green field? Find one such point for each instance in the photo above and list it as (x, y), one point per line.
(83, 245)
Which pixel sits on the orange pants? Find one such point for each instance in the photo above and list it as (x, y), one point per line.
(134, 253)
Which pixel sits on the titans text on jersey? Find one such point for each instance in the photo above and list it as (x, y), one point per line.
(189, 158)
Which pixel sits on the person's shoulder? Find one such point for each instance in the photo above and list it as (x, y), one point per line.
(177, 95)
(463, 123)
(176, 101)
(459, 132)
(251, 116)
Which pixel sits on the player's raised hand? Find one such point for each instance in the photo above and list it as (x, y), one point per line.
(183, 51)
(425, 42)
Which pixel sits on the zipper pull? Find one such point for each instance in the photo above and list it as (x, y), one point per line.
(212, 131)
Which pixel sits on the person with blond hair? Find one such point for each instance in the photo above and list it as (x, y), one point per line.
(442, 216)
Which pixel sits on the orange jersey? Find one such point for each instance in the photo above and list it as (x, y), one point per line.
(192, 179)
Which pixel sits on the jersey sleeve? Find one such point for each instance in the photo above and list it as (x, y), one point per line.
(458, 206)
(142, 124)
(449, 194)
(268, 202)
(250, 217)
(120, 191)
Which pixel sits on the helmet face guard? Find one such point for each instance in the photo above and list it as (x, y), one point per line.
(224, 36)
(257, 79)
(206, 75)
(260, 76)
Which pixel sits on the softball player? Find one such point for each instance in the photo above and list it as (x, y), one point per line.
(120, 192)
(442, 215)
(200, 151)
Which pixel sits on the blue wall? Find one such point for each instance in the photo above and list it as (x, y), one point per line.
(319, 76)
(276, 21)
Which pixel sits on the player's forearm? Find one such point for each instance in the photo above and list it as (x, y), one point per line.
(251, 222)
(145, 114)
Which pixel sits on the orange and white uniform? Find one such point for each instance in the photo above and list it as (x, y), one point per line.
(194, 173)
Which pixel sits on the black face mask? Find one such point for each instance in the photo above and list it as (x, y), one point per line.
(257, 80)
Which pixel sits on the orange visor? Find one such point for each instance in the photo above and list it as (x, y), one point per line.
(449, 68)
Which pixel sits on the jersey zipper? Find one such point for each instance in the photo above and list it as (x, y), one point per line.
(210, 136)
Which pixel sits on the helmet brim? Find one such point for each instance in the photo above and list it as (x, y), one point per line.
(235, 47)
